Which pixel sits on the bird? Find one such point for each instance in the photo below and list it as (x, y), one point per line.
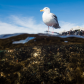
(49, 18)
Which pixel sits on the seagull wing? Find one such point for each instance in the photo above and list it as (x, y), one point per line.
(57, 24)
(55, 17)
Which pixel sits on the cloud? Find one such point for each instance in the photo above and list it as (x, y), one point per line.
(19, 24)
(66, 26)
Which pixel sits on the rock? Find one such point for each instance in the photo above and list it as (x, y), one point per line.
(42, 61)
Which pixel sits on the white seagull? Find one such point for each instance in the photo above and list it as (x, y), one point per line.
(49, 19)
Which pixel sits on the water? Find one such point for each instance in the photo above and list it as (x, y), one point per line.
(23, 41)
(5, 36)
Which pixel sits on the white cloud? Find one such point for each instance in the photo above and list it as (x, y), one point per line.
(78, 27)
(29, 25)
(21, 25)
(66, 26)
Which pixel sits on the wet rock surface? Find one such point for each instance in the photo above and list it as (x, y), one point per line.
(39, 40)
(43, 62)
(57, 64)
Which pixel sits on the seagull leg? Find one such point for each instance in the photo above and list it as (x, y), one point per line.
(48, 29)
(53, 30)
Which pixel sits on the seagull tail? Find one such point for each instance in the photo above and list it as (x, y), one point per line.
(56, 26)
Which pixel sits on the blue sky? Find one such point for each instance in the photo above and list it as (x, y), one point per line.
(25, 16)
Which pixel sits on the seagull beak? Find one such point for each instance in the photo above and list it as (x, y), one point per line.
(41, 10)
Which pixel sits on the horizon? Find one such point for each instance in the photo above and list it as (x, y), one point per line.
(25, 16)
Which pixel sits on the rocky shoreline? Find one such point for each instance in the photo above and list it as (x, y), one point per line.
(43, 60)
(39, 40)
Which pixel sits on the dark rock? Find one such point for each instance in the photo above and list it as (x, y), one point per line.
(48, 61)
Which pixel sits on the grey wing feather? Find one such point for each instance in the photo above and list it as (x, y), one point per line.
(55, 17)
(56, 25)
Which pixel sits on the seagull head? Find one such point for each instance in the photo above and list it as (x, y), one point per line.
(46, 9)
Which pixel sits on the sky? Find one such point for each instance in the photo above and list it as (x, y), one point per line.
(24, 16)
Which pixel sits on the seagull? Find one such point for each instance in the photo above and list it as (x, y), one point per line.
(49, 19)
